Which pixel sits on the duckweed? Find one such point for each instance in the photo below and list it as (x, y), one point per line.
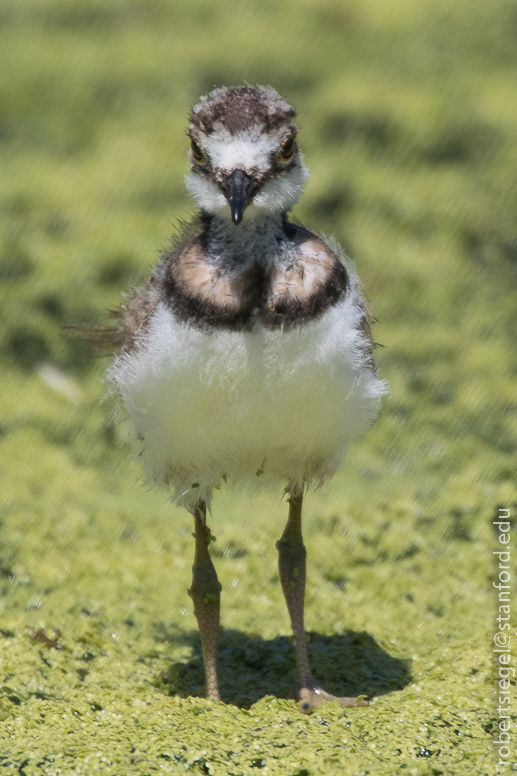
(408, 120)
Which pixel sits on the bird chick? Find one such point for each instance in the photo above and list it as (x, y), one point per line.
(249, 350)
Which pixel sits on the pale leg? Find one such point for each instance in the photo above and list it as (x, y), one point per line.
(206, 593)
(291, 564)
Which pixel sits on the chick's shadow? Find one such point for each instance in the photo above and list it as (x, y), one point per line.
(251, 667)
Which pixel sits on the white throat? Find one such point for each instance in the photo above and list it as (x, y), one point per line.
(279, 194)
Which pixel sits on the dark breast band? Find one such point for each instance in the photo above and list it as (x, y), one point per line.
(204, 294)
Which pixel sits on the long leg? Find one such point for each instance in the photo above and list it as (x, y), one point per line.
(206, 593)
(291, 564)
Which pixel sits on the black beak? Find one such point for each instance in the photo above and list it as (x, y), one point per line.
(238, 190)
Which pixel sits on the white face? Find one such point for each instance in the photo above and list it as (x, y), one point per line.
(246, 150)
(250, 151)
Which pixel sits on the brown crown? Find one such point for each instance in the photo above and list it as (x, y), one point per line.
(238, 108)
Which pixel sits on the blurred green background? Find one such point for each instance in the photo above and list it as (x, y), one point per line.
(408, 120)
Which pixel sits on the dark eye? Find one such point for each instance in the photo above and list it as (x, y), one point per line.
(288, 148)
(197, 152)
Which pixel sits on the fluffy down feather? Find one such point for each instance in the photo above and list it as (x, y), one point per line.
(225, 405)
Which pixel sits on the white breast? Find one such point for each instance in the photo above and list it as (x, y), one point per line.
(232, 405)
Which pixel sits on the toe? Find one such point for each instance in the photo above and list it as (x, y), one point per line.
(311, 695)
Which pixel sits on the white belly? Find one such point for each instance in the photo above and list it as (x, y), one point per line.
(259, 405)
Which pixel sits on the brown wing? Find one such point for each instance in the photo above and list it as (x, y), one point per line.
(101, 338)
(365, 325)
(133, 318)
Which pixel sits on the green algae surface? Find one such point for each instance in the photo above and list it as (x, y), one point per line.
(408, 120)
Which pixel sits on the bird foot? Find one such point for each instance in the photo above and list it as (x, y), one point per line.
(310, 695)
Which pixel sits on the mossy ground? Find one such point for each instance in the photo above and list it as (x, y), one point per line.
(408, 120)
